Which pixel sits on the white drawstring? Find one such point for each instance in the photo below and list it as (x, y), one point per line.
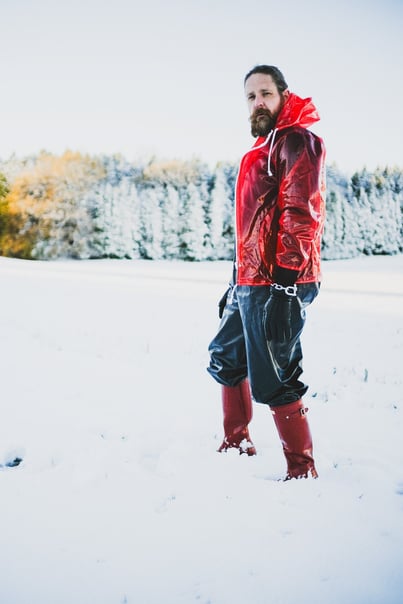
(273, 136)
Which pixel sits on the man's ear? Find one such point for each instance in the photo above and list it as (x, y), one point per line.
(286, 94)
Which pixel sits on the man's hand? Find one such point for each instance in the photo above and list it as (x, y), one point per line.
(282, 313)
(222, 303)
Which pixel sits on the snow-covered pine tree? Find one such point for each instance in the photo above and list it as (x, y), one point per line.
(151, 199)
(386, 215)
(192, 228)
(221, 216)
(116, 223)
(341, 237)
(170, 221)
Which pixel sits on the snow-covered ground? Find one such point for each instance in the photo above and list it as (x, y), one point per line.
(121, 496)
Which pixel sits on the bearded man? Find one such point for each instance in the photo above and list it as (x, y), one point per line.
(280, 209)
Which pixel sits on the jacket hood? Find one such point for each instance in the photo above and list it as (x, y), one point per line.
(297, 112)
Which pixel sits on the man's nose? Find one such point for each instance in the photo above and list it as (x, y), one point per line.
(258, 102)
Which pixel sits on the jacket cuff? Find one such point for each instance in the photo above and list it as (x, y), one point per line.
(285, 276)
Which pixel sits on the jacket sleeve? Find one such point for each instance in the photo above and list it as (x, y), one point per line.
(300, 156)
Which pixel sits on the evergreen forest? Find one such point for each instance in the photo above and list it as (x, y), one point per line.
(81, 206)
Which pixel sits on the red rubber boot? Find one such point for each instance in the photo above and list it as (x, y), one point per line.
(237, 409)
(293, 428)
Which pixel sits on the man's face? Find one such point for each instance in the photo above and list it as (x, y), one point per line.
(264, 102)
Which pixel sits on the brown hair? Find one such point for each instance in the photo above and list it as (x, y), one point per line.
(274, 72)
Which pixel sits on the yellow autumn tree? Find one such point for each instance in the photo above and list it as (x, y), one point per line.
(43, 210)
(4, 190)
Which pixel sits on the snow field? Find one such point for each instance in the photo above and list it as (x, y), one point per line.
(121, 497)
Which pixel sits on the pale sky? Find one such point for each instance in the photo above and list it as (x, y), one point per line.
(165, 77)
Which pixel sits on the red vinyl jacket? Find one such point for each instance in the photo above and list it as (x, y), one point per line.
(280, 199)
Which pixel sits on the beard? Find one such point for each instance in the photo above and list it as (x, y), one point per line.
(261, 122)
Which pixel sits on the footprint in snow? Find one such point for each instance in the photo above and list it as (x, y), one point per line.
(12, 458)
